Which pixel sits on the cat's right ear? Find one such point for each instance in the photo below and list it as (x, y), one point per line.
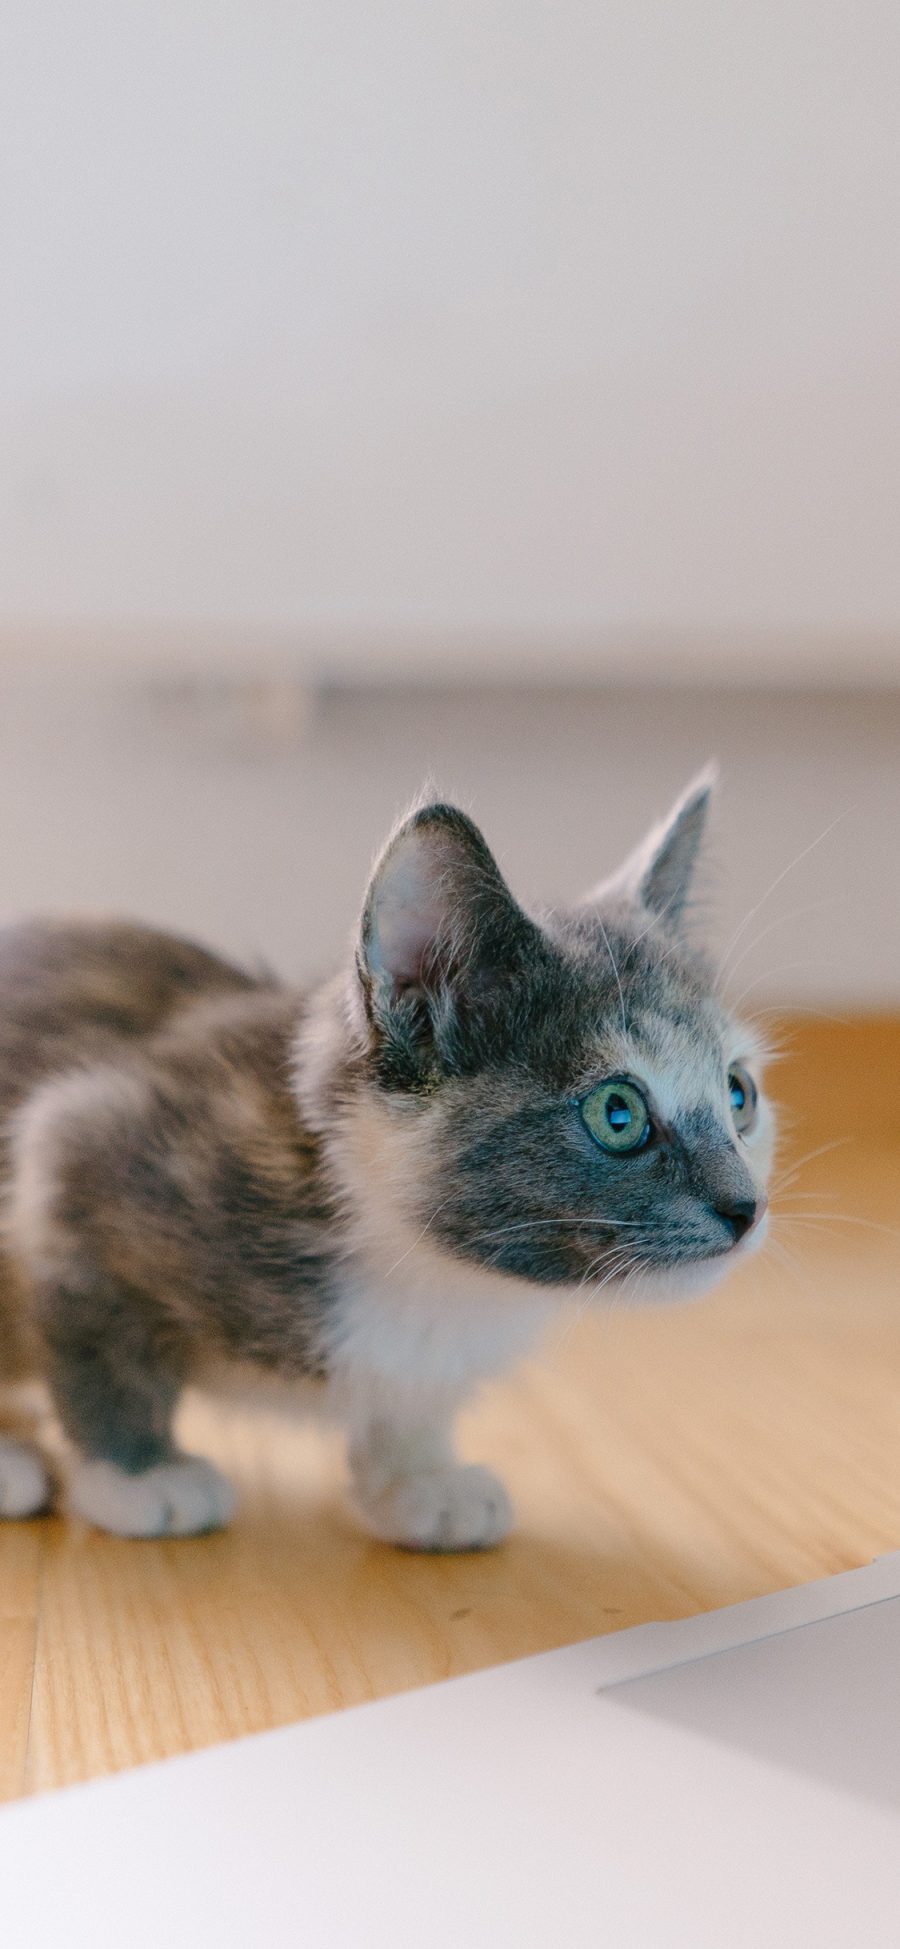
(659, 874)
(440, 934)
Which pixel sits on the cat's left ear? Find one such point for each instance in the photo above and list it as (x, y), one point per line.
(441, 934)
(660, 872)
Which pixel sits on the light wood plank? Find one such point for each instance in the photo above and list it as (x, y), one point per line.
(21, 1559)
(17, 1655)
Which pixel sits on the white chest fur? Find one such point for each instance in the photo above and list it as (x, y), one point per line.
(433, 1321)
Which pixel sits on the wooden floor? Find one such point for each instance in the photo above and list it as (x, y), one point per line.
(660, 1463)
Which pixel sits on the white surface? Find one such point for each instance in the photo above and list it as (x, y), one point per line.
(721, 1783)
(569, 331)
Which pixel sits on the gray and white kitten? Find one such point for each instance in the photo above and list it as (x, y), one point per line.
(381, 1191)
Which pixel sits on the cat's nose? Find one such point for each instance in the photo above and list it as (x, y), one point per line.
(741, 1214)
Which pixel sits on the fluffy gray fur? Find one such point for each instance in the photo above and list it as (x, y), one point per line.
(376, 1194)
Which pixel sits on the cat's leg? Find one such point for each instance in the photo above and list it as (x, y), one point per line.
(112, 1352)
(25, 1479)
(410, 1488)
(25, 1483)
(113, 1369)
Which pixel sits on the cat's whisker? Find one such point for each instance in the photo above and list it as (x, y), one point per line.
(616, 973)
(770, 974)
(800, 1163)
(616, 1279)
(566, 1218)
(799, 1008)
(591, 1290)
(741, 930)
(610, 1271)
(607, 1262)
(418, 1239)
(822, 1219)
(569, 1222)
(819, 1229)
(727, 973)
(777, 1249)
(805, 1191)
(624, 1295)
(654, 921)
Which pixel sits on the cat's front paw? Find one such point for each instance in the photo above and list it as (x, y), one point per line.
(449, 1508)
(181, 1498)
(24, 1482)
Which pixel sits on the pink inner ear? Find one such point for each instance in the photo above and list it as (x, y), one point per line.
(406, 917)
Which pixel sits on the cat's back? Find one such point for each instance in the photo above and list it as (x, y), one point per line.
(75, 991)
(79, 993)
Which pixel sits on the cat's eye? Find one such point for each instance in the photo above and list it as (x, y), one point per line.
(743, 1098)
(617, 1116)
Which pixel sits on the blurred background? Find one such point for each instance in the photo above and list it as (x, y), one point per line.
(501, 394)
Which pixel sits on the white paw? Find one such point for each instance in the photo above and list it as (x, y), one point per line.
(24, 1482)
(449, 1508)
(181, 1498)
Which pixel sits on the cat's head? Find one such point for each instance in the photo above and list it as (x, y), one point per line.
(562, 1098)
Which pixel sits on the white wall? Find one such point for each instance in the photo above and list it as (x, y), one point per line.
(501, 326)
(245, 823)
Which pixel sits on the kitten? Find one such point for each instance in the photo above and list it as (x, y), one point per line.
(384, 1189)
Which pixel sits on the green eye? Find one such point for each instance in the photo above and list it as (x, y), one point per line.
(617, 1117)
(743, 1098)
